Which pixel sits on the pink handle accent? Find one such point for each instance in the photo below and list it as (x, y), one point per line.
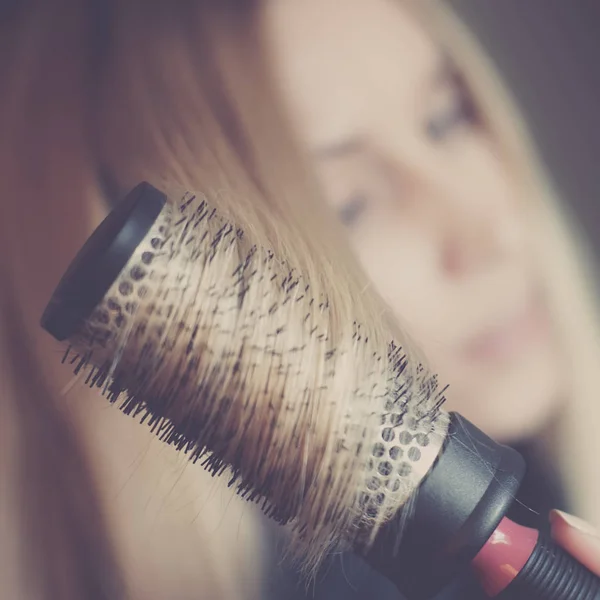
(503, 556)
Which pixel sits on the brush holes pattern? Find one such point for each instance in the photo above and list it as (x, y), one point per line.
(108, 323)
(394, 457)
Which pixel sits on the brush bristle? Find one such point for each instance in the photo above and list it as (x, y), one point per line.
(224, 351)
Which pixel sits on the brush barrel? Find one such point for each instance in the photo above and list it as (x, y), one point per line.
(458, 506)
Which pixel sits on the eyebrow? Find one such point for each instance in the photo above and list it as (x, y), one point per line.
(347, 145)
(443, 74)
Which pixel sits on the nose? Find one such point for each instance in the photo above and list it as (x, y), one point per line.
(479, 221)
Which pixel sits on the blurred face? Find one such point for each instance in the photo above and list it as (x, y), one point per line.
(426, 199)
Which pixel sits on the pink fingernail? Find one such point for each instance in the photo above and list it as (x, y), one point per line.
(574, 522)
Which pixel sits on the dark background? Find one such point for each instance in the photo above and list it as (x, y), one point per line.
(548, 51)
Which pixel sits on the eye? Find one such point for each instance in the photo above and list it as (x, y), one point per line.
(352, 209)
(457, 113)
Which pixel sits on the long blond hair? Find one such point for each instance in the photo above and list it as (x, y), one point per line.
(113, 93)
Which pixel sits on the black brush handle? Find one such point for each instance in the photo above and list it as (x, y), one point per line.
(459, 505)
(552, 574)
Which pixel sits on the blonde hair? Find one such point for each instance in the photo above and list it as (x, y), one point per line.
(183, 96)
(179, 97)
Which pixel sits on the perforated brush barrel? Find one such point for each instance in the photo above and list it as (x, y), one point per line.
(182, 319)
(177, 315)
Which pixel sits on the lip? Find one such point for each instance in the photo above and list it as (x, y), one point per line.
(512, 336)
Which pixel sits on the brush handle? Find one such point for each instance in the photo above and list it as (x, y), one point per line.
(552, 574)
(459, 505)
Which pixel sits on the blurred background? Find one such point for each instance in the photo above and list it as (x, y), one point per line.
(548, 52)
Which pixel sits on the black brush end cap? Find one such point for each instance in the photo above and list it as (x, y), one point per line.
(101, 260)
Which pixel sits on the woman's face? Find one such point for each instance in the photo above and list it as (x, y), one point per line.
(431, 209)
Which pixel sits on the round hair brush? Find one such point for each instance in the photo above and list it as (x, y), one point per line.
(225, 351)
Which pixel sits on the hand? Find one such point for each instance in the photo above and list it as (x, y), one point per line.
(578, 538)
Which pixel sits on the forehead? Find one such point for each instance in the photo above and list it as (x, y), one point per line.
(340, 61)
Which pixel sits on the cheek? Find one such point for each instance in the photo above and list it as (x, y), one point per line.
(402, 263)
(478, 176)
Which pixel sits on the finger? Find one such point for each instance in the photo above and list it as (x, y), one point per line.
(578, 538)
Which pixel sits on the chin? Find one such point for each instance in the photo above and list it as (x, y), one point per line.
(513, 404)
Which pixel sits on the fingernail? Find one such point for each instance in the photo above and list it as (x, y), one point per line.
(574, 522)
